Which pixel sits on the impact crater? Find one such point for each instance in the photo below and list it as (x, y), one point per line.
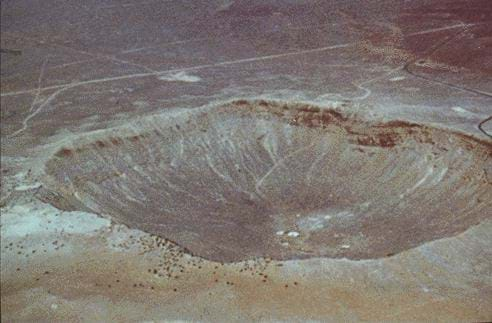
(269, 179)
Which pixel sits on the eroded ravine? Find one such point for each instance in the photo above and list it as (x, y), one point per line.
(265, 179)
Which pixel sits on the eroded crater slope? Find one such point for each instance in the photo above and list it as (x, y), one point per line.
(264, 179)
